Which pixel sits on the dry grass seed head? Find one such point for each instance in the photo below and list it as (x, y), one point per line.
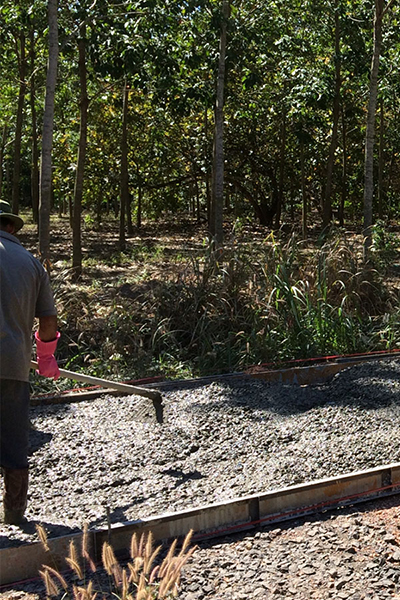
(141, 544)
(42, 537)
(167, 559)
(170, 578)
(133, 573)
(144, 595)
(148, 563)
(51, 586)
(111, 565)
(138, 562)
(58, 576)
(125, 585)
(186, 543)
(81, 593)
(117, 575)
(73, 561)
(134, 546)
(149, 545)
(172, 574)
(85, 548)
(153, 575)
(108, 558)
(141, 591)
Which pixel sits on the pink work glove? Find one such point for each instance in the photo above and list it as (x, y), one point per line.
(48, 366)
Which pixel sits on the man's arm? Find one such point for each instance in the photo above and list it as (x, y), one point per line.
(47, 330)
(46, 343)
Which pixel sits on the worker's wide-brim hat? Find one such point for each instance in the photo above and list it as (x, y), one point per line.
(6, 211)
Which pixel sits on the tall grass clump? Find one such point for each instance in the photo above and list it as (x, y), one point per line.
(328, 301)
(257, 301)
(276, 302)
(144, 577)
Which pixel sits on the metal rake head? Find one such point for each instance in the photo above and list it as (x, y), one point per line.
(145, 409)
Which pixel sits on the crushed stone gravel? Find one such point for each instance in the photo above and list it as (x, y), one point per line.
(219, 441)
(349, 554)
(346, 554)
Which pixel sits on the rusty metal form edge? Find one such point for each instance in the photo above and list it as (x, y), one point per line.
(24, 562)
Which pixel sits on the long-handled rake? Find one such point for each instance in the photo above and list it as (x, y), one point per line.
(153, 395)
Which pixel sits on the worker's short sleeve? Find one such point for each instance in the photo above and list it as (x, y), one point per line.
(45, 302)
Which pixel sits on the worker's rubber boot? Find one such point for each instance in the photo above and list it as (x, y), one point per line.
(15, 495)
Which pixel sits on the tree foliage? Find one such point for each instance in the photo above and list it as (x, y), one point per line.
(288, 109)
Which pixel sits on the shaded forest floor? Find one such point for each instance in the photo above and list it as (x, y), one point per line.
(166, 306)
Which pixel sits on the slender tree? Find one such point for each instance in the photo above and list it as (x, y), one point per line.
(2, 147)
(343, 194)
(327, 204)
(47, 136)
(80, 168)
(218, 152)
(281, 170)
(304, 204)
(35, 151)
(380, 11)
(381, 159)
(20, 49)
(124, 190)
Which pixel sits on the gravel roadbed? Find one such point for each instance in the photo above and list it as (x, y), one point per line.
(349, 555)
(219, 441)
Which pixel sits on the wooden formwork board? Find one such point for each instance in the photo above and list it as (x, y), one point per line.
(303, 375)
(219, 519)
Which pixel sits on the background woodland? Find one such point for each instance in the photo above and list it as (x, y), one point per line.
(268, 132)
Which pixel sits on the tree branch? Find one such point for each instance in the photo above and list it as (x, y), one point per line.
(385, 10)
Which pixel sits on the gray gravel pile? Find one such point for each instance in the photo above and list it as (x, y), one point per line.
(218, 441)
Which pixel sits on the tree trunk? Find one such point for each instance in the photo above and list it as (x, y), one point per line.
(139, 207)
(21, 55)
(71, 212)
(35, 152)
(218, 154)
(304, 214)
(8, 178)
(196, 187)
(124, 192)
(2, 147)
(344, 171)
(206, 169)
(327, 204)
(392, 163)
(381, 162)
(99, 202)
(80, 168)
(370, 131)
(47, 136)
(281, 172)
(129, 224)
(292, 196)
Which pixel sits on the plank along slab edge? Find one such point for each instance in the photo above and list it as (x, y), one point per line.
(24, 562)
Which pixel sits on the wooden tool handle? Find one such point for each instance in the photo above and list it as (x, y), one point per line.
(121, 387)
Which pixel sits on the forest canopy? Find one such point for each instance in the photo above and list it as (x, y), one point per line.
(295, 92)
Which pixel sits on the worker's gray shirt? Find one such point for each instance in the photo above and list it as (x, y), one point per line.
(25, 293)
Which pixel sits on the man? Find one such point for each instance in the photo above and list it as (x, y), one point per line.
(25, 293)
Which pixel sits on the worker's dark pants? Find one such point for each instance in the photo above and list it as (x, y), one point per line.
(14, 442)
